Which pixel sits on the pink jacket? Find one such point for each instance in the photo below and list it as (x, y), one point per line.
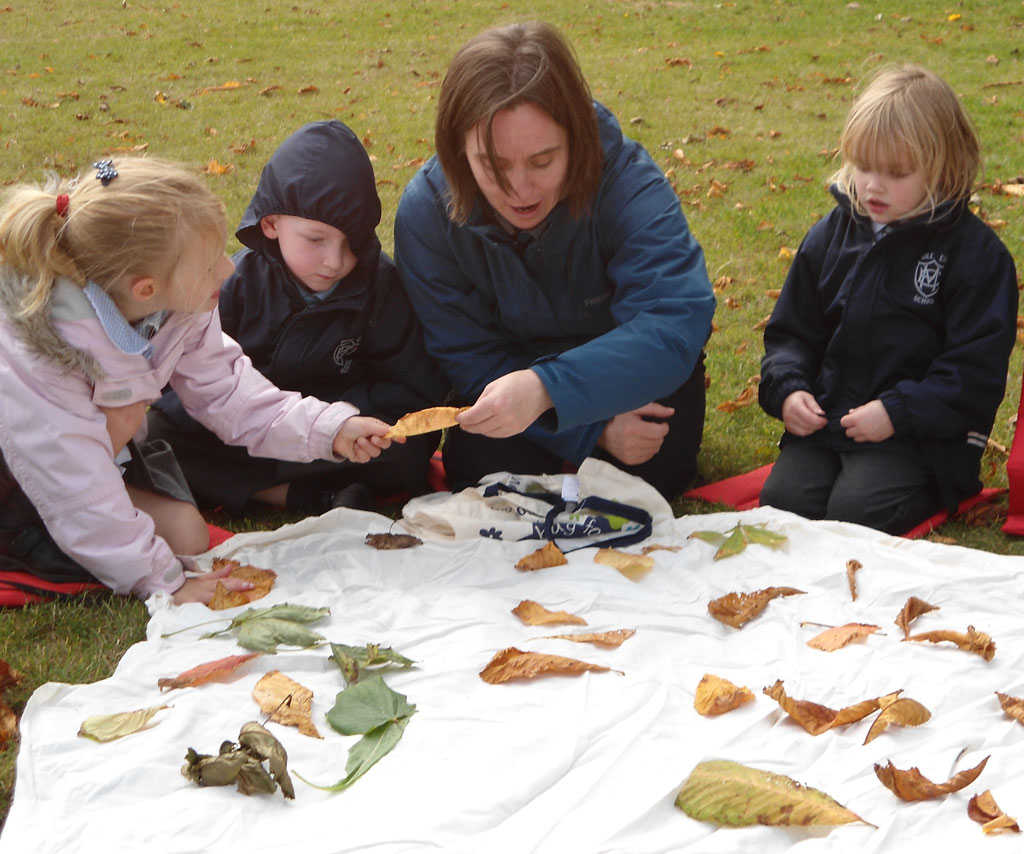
(56, 372)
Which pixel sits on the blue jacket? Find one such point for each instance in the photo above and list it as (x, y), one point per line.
(611, 310)
(923, 319)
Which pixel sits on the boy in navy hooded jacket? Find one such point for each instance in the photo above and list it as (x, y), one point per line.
(320, 309)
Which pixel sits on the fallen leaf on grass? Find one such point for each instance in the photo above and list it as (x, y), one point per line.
(913, 609)
(736, 795)
(205, 672)
(816, 718)
(912, 785)
(716, 696)
(543, 558)
(105, 728)
(745, 398)
(902, 712)
(8, 720)
(634, 567)
(534, 614)
(737, 538)
(392, 541)
(851, 569)
(611, 640)
(242, 764)
(1013, 706)
(839, 636)
(286, 702)
(973, 641)
(262, 581)
(425, 421)
(512, 663)
(984, 810)
(738, 609)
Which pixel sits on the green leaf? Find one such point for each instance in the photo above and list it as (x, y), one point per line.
(733, 545)
(735, 540)
(284, 611)
(351, 659)
(105, 728)
(366, 752)
(763, 537)
(262, 629)
(367, 705)
(714, 537)
(736, 795)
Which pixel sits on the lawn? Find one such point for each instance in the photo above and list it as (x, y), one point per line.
(740, 102)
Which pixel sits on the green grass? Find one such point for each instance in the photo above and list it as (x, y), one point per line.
(751, 94)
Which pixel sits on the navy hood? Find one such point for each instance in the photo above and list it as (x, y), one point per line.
(320, 172)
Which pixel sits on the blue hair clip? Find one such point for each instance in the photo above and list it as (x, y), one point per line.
(105, 171)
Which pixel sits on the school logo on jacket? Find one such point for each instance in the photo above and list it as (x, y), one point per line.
(345, 348)
(927, 277)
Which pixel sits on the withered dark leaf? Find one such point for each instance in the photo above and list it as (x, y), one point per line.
(392, 541)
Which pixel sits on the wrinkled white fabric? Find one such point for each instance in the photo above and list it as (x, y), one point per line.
(563, 765)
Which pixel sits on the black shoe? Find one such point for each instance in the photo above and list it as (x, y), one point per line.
(313, 498)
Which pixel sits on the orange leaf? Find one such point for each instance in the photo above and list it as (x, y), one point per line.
(513, 663)
(903, 712)
(973, 641)
(611, 640)
(1013, 706)
(913, 609)
(737, 609)
(534, 614)
(984, 810)
(425, 421)
(912, 785)
(215, 167)
(286, 701)
(839, 636)
(657, 547)
(851, 569)
(261, 579)
(634, 567)
(816, 718)
(205, 672)
(543, 558)
(716, 696)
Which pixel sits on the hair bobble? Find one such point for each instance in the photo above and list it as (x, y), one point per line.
(63, 200)
(105, 171)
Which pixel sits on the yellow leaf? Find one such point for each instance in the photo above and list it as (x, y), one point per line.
(903, 712)
(543, 558)
(611, 640)
(425, 421)
(839, 636)
(634, 567)
(984, 810)
(535, 614)
(716, 696)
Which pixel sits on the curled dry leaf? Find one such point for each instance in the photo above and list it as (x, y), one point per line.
(657, 547)
(611, 640)
(912, 785)
(902, 712)
(634, 567)
(205, 672)
(512, 663)
(738, 609)
(716, 696)
(8, 720)
(534, 614)
(425, 421)
(392, 541)
(839, 636)
(286, 702)
(242, 764)
(262, 582)
(913, 609)
(816, 718)
(1013, 706)
(852, 566)
(547, 556)
(972, 641)
(984, 810)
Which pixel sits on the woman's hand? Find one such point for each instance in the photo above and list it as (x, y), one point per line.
(201, 587)
(802, 415)
(868, 423)
(361, 438)
(507, 406)
(631, 438)
(123, 422)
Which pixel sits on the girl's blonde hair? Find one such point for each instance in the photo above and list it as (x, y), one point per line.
(909, 118)
(137, 224)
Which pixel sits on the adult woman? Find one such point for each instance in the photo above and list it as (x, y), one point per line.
(554, 273)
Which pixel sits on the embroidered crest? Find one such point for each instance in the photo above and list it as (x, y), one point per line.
(345, 348)
(927, 276)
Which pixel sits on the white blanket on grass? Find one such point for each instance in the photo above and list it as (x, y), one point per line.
(559, 764)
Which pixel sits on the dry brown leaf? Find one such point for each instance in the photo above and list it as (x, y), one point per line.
(205, 672)
(839, 636)
(286, 701)
(737, 609)
(984, 810)
(902, 712)
(534, 614)
(9, 677)
(913, 609)
(611, 640)
(513, 663)
(634, 567)
(745, 398)
(816, 718)
(392, 541)
(716, 696)
(972, 641)
(215, 167)
(261, 579)
(1013, 706)
(912, 785)
(657, 547)
(425, 421)
(543, 558)
(851, 569)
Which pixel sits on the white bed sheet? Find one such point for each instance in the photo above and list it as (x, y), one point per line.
(580, 764)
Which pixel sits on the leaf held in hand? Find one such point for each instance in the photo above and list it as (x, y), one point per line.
(392, 541)
(839, 636)
(972, 641)
(262, 582)
(902, 712)
(1013, 706)
(912, 785)
(425, 421)
(984, 810)
(737, 609)
(547, 556)
(286, 702)
(736, 795)
(534, 614)
(716, 696)
(205, 672)
(105, 728)
(610, 640)
(512, 663)
(913, 609)
(634, 567)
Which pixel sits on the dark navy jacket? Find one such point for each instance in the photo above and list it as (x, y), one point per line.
(923, 319)
(363, 343)
(610, 309)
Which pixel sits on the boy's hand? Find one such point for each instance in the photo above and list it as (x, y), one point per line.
(507, 405)
(201, 588)
(631, 438)
(361, 438)
(801, 414)
(868, 423)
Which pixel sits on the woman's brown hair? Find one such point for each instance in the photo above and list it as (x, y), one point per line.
(500, 69)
